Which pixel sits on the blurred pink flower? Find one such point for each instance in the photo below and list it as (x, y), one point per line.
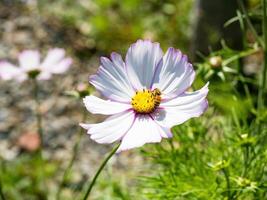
(147, 95)
(29, 65)
(29, 141)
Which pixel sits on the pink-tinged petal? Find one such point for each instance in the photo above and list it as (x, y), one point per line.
(144, 130)
(61, 67)
(96, 105)
(29, 60)
(175, 76)
(117, 60)
(187, 98)
(43, 76)
(112, 81)
(53, 57)
(141, 61)
(177, 111)
(166, 133)
(9, 72)
(112, 129)
(55, 62)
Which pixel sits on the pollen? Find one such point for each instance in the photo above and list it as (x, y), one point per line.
(146, 101)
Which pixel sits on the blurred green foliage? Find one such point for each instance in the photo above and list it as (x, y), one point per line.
(24, 177)
(111, 25)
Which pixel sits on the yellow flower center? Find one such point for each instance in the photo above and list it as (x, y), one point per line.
(146, 101)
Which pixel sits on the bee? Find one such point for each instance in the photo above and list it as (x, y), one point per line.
(156, 92)
(156, 95)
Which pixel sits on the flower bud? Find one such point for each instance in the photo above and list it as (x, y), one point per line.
(219, 165)
(246, 140)
(215, 61)
(83, 90)
(246, 183)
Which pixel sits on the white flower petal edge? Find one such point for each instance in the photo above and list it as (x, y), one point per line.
(96, 105)
(62, 66)
(144, 130)
(112, 81)
(142, 59)
(175, 75)
(53, 57)
(29, 60)
(9, 71)
(177, 111)
(43, 76)
(112, 129)
(55, 62)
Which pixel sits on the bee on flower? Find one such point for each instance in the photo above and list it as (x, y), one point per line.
(146, 95)
(30, 66)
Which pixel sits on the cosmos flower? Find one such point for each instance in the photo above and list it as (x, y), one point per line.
(30, 66)
(146, 96)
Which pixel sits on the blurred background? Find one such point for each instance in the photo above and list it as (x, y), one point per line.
(88, 29)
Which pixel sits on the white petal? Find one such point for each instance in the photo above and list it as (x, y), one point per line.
(144, 130)
(29, 60)
(178, 110)
(43, 76)
(117, 60)
(62, 66)
(53, 56)
(141, 61)
(96, 105)
(187, 98)
(55, 61)
(9, 72)
(112, 129)
(166, 133)
(175, 76)
(112, 81)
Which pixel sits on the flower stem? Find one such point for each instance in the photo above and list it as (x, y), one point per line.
(38, 114)
(246, 160)
(262, 81)
(91, 185)
(249, 23)
(264, 69)
(75, 150)
(1, 192)
(226, 175)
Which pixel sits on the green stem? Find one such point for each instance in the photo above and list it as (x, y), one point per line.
(245, 158)
(264, 69)
(239, 55)
(91, 185)
(37, 113)
(75, 150)
(39, 130)
(226, 175)
(262, 81)
(1, 192)
(249, 23)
